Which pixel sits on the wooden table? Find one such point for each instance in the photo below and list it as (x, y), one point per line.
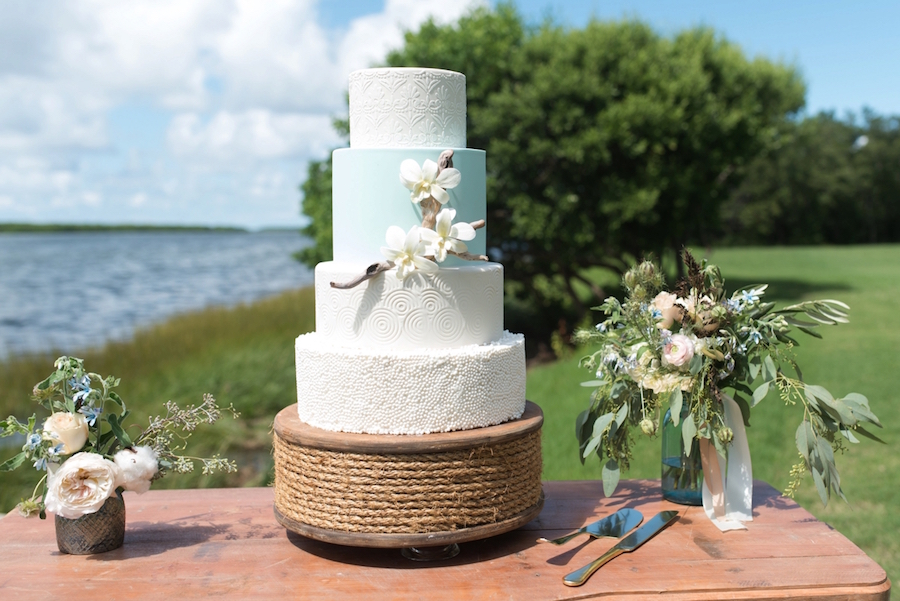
(184, 544)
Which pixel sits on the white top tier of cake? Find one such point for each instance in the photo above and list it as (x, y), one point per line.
(407, 108)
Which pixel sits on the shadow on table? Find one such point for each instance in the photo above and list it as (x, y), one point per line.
(494, 547)
(145, 539)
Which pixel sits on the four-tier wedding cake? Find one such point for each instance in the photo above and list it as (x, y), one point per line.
(411, 427)
(409, 315)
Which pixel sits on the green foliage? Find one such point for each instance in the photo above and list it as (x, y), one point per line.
(718, 343)
(612, 141)
(603, 143)
(826, 181)
(317, 206)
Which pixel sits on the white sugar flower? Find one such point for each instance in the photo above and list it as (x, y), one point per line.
(425, 181)
(447, 236)
(137, 466)
(407, 251)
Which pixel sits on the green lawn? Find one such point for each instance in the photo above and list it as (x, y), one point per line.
(245, 356)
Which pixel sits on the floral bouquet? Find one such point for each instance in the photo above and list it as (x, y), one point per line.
(85, 451)
(698, 350)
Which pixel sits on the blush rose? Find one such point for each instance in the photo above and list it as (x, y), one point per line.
(678, 351)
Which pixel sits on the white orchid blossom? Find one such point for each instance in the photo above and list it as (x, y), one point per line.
(425, 181)
(407, 251)
(446, 235)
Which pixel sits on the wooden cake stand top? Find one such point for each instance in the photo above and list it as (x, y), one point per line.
(289, 427)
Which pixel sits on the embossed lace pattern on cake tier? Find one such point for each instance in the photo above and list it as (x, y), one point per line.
(455, 307)
(391, 108)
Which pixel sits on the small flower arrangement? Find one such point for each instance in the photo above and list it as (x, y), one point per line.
(85, 450)
(691, 347)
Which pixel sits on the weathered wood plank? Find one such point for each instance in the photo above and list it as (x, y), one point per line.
(226, 543)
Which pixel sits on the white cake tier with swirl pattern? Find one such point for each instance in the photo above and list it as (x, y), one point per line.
(457, 306)
(378, 391)
(407, 107)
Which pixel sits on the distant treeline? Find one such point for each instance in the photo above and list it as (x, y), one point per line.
(827, 181)
(69, 227)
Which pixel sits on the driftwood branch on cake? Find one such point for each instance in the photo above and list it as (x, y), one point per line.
(468, 256)
(370, 272)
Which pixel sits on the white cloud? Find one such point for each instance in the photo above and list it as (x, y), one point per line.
(259, 134)
(247, 91)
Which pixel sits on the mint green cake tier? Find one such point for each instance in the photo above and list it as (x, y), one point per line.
(368, 198)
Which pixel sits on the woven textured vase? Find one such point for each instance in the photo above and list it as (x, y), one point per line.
(97, 532)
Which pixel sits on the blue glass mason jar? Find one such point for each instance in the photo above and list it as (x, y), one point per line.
(682, 473)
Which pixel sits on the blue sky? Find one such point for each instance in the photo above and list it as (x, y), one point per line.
(205, 112)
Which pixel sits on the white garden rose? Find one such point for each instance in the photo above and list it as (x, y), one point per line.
(137, 466)
(81, 485)
(68, 429)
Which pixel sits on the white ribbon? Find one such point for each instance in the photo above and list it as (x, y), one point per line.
(737, 476)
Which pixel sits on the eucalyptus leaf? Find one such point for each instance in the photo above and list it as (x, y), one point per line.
(812, 333)
(688, 430)
(610, 474)
(593, 383)
(675, 401)
(769, 369)
(848, 434)
(744, 406)
(803, 444)
(696, 365)
(820, 486)
(863, 432)
(755, 366)
(857, 398)
(601, 423)
(818, 392)
(621, 414)
(580, 421)
(760, 393)
(590, 447)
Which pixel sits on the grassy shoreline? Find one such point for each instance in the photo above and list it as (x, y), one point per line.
(244, 356)
(19, 228)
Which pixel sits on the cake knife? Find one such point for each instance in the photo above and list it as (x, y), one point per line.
(627, 544)
(616, 525)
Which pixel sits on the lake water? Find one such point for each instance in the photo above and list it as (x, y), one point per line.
(68, 291)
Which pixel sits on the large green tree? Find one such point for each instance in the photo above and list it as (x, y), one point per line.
(603, 143)
(827, 181)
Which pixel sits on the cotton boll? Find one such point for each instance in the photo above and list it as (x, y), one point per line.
(137, 466)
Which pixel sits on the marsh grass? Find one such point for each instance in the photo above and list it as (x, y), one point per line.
(244, 356)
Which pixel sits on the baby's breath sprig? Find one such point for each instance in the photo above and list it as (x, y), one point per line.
(168, 434)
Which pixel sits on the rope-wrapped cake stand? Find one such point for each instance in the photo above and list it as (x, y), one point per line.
(422, 494)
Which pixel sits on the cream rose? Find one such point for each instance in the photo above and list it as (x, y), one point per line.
(69, 429)
(664, 302)
(137, 466)
(678, 351)
(81, 485)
